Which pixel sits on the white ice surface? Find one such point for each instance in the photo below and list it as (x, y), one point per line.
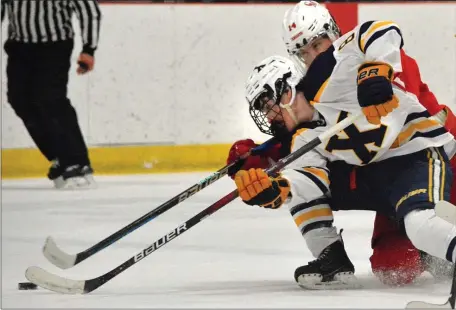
(240, 256)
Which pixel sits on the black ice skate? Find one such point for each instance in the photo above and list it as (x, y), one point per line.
(55, 171)
(76, 176)
(332, 270)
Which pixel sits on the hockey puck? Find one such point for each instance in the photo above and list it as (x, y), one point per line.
(27, 286)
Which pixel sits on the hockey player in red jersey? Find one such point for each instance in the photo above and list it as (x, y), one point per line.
(395, 260)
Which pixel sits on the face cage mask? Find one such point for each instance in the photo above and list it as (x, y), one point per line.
(259, 113)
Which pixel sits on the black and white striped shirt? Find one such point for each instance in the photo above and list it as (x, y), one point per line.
(40, 21)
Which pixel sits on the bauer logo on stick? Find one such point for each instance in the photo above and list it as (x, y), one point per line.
(157, 244)
(197, 187)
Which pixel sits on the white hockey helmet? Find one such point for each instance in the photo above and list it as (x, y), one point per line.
(305, 22)
(270, 79)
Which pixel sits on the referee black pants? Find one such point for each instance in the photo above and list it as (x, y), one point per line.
(37, 91)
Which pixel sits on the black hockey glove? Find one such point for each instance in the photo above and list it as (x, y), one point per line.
(375, 91)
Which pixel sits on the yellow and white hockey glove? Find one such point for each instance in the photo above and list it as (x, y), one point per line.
(375, 91)
(257, 188)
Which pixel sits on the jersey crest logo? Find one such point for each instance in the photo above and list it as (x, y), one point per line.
(357, 141)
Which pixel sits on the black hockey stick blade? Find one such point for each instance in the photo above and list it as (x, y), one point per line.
(63, 260)
(59, 284)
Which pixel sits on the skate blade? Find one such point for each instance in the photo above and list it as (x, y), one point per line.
(341, 281)
(83, 182)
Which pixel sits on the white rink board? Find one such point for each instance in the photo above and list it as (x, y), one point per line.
(429, 32)
(175, 74)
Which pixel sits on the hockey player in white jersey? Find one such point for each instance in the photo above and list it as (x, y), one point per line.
(308, 30)
(402, 168)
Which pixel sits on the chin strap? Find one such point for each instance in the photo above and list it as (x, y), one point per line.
(288, 106)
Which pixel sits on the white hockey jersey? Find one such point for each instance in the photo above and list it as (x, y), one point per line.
(330, 85)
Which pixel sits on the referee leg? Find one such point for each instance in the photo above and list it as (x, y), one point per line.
(50, 89)
(20, 72)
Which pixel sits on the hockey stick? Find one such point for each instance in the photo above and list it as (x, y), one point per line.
(446, 211)
(64, 260)
(427, 305)
(59, 284)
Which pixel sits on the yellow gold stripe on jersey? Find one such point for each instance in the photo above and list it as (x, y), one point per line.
(424, 127)
(418, 125)
(313, 214)
(436, 175)
(296, 135)
(431, 169)
(442, 185)
(320, 173)
(435, 190)
(375, 26)
(322, 185)
(363, 30)
(319, 92)
(372, 30)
